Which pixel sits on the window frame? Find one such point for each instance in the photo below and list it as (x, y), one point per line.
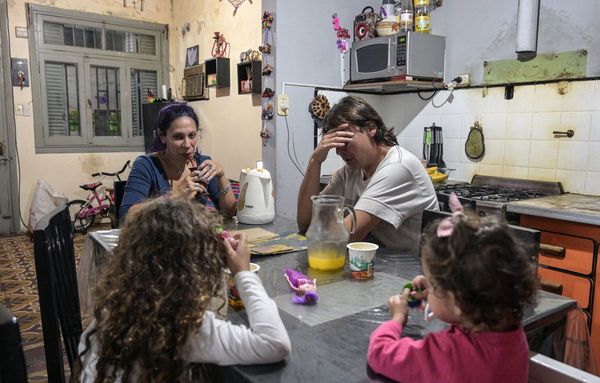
(39, 52)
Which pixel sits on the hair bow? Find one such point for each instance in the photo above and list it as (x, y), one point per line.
(446, 227)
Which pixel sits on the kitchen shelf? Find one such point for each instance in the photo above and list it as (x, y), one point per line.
(217, 72)
(395, 86)
(253, 68)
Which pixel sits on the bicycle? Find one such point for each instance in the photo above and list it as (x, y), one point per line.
(83, 212)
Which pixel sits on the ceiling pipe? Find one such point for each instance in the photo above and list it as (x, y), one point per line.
(527, 29)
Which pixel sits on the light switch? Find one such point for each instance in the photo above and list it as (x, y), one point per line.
(19, 110)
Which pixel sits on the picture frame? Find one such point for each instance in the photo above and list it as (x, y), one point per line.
(192, 56)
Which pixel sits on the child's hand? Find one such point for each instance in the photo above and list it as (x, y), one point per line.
(398, 305)
(238, 259)
(420, 286)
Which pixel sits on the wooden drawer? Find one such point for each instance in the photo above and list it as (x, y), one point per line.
(566, 252)
(573, 287)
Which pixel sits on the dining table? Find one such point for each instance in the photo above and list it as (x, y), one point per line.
(330, 338)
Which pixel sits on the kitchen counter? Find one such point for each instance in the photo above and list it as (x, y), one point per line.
(571, 207)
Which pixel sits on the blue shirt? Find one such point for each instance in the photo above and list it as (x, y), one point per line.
(148, 179)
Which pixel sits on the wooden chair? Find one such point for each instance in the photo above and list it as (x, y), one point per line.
(57, 286)
(12, 360)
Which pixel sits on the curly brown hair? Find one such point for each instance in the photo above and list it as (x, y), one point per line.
(355, 111)
(491, 274)
(156, 287)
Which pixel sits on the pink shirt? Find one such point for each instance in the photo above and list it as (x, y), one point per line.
(453, 355)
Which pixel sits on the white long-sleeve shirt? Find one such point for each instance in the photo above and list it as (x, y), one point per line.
(221, 342)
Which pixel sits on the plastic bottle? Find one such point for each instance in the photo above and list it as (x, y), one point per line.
(387, 10)
(406, 15)
(422, 19)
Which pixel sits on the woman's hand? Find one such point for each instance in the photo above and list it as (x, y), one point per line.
(210, 169)
(191, 184)
(239, 259)
(420, 288)
(398, 305)
(337, 139)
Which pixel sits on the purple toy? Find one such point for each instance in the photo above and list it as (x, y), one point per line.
(304, 287)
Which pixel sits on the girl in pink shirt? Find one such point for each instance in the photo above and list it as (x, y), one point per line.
(478, 277)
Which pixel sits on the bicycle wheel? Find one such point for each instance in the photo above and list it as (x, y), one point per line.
(80, 224)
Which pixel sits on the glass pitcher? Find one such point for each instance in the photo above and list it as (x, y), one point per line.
(327, 236)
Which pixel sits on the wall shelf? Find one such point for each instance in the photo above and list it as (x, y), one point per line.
(395, 86)
(250, 70)
(217, 72)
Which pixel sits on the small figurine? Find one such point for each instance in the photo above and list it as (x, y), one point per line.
(304, 287)
(412, 301)
(226, 236)
(267, 113)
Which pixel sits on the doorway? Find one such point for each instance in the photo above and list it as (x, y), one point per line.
(9, 207)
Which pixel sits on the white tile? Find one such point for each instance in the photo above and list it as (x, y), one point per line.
(580, 122)
(546, 98)
(543, 154)
(466, 122)
(518, 125)
(431, 108)
(595, 126)
(579, 96)
(451, 149)
(522, 100)
(544, 124)
(451, 125)
(516, 153)
(401, 141)
(465, 172)
(515, 172)
(572, 155)
(415, 146)
(414, 128)
(453, 104)
(472, 101)
(494, 152)
(596, 98)
(593, 163)
(495, 102)
(430, 119)
(452, 168)
(491, 170)
(541, 174)
(572, 181)
(592, 183)
(494, 125)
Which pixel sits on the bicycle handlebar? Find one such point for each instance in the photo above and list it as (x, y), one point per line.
(116, 174)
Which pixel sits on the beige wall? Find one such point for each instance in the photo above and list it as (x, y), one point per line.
(231, 123)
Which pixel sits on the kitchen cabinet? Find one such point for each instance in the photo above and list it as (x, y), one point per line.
(569, 245)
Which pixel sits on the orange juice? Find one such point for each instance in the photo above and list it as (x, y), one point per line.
(326, 258)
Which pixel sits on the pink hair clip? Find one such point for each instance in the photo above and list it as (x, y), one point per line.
(446, 227)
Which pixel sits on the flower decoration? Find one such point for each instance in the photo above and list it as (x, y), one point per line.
(341, 33)
(267, 20)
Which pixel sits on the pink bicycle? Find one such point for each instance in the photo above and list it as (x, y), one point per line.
(84, 212)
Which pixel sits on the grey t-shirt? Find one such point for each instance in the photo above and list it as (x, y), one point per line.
(397, 193)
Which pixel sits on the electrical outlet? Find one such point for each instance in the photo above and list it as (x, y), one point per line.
(466, 79)
(283, 104)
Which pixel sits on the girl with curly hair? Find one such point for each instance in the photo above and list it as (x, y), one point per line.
(478, 278)
(151, 317)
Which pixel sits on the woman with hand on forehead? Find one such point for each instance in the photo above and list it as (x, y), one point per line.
(176, 169)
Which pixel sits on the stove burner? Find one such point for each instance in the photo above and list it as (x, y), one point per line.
(488, 193)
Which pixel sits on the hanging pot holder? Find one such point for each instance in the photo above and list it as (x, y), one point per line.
(475, 145)
(319, 107)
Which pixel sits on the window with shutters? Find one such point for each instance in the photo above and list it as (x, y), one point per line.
(91, 74)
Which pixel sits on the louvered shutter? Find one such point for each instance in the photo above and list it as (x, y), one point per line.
(56, 97)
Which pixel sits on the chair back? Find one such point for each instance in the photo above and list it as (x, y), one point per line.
(57, 286)
(12, 360)
(543, 369)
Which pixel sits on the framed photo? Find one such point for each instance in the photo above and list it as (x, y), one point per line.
(191, 57)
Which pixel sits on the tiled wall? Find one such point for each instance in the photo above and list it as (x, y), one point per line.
(518, 133)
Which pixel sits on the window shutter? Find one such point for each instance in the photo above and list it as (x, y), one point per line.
(140, 83)
(56, 97)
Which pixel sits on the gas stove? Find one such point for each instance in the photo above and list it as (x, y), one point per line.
(490, 195)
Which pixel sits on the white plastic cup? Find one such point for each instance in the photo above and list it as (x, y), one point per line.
(233, 295)
(362, 259)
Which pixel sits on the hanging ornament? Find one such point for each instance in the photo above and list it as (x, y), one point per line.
(319, 107)
(265, 135)
(341, 33)
(267, 113)
(267, 70)
(267, 20)
(236, 4)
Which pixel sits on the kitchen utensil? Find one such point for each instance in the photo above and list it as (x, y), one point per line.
(327, 236)
(256, 204)
(475, 145)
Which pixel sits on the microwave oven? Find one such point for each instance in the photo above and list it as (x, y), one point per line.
(404, 55)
